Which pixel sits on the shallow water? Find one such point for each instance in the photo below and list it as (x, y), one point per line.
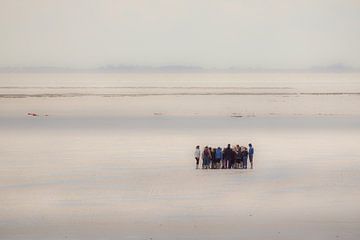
(92, 171)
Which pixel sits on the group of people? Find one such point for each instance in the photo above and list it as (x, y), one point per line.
(229, 157)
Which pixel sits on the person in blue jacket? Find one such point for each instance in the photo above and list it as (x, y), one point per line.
(218, 157)
(251, 155)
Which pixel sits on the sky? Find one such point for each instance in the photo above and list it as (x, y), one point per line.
(207, 33)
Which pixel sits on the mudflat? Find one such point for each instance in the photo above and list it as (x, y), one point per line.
(111, 156)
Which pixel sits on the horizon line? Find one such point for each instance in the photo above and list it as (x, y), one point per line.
(336, 68)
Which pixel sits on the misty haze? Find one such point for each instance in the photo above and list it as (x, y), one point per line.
(103, 105)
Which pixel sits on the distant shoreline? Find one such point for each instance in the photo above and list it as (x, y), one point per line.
(177, 69)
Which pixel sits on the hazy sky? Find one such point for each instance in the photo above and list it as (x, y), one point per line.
(223, 33)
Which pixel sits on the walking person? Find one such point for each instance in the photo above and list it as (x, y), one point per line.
(251, 155)
(197, 156)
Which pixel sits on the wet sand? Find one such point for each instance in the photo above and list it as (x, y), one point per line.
(122, 167)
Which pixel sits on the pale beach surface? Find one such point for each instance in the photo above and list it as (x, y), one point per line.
(110, 156)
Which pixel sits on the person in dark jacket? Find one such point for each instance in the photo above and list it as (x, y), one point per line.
(228, 156)
(251, 155)
(206, 158)
(210, 159)
(212, 152)
(223, 162)
(238, 157)
(233, 157)
(245, 154)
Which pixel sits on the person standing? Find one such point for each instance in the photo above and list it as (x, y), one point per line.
(251, 155)
(197, 156)
(211, 160)
(238, 158)
(233, 157)
(228, 154)
(245, 154)
(218, 157)
(223, 162)
(206, 156)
